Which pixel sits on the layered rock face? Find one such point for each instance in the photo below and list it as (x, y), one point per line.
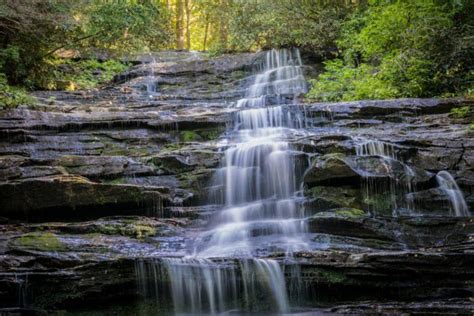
(97, 187)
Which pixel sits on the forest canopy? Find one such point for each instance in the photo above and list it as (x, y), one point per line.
(368, 48)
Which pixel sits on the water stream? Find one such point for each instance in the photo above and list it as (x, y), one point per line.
(150, 82)
(257, 187)
(450, 188)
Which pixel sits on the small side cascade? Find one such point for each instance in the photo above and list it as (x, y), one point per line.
(376, 148)
(22, 282)
(273, 276)
(151, 79)
(148, 276)
(200, 285)
(448, 185)
(399, 186)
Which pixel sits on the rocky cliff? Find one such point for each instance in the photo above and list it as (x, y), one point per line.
(94, 182)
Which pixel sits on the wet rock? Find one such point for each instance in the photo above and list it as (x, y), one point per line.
(331, 169)
(348, 225)
(322, 198)
(337, 169)
(95, 167)
(124, 150)
(442, 307)
(379, 108)
(29, 197)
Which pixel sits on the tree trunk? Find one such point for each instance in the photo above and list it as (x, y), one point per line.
(179, 24)
(223, 24)
(188, 22)
(206, 32)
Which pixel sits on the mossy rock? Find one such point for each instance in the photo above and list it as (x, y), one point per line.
(350, 212)
(322, 198)
(189, 136)
(43, 241)
(331, 169)
(343, 213)
(65, 85)
(135, 230)
(195, 180)
(210, 134)
(328, 276)
(379, 203)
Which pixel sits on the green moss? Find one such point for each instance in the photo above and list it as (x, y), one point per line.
(460, 112)
(380, 202)
(44, 241)
(334, 156)
(188, 136)
(116, 181)
(135, 230)
(350, 212)
(171, 147)
(210, 134)
(330, 276)
(193, 180)
(116, 152)
(335, 197)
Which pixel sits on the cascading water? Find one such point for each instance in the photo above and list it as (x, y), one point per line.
(150, 82)
(448, 185)
(376, 148)
(259, 179)
(280, 76)
(399, 186)
(257, 186)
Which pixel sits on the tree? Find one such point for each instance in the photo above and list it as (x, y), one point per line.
(401, 49)
(180, 24)
(33, 31)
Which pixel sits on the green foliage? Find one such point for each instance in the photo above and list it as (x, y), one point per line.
(341, 82)
(33, 32)
(88, 74)
(67, 74)
(384, 49)
(401, 49)
(11, 97)
(314, 25)
(460, 112)
(123, 26)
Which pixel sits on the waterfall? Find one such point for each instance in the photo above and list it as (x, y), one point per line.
(448, 185)
(151, 79)
(257, 185)
(376, 148)
(148, 276)
(259, 178)
(280, 76)
(399, 186)
(199, 284)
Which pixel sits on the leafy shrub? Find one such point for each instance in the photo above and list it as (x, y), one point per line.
(401, 49)
(11, 97)
(32, 32)
(343, 83)
(60, 74)
(88, 74)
